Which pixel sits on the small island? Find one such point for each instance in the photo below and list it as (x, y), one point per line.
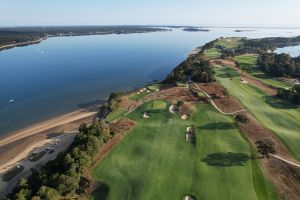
(195, 29)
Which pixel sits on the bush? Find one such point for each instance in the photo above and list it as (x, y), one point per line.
(265, 147)
(241, 119)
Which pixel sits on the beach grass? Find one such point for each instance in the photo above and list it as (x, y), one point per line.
(155, 162)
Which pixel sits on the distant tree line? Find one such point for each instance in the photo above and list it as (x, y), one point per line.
(267, 44)
(64, 176)
(279, 64)
(26, 34)
(291, 95)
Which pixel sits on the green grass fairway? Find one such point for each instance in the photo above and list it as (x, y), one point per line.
(119, 112)
(248, 63)
(155, 162)
(282, 118)
(228, 43)
(212, 53)
(159, 104)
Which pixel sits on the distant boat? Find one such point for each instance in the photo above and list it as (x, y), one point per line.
(10, 101)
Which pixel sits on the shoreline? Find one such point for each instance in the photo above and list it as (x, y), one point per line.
(10, 46)
(45, 125)
(47, 36)
(15, 146)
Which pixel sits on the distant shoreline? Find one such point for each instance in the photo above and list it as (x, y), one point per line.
(10, 46)
(70, 34)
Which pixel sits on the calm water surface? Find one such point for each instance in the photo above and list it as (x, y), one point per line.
(59, 74)
(294, 51)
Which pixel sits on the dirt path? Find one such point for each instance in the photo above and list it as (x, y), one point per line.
(213, 103)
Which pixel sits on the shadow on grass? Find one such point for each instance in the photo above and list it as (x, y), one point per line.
(218, 126)
(101, 192)
(277, 103)
(228, 73)
(228, 159)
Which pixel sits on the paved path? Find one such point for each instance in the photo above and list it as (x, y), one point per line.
(213, 103)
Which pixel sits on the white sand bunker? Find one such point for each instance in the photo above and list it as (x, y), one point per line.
(172, 109)
(146, 115)
(243, 81)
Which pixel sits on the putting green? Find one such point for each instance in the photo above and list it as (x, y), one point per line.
(155, 162)
(281, 118)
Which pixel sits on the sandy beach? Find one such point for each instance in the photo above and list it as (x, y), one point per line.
(16, 146)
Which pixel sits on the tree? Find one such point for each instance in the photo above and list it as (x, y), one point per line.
(23, 194)
(47, 193)
(241, 119)
(265, 147)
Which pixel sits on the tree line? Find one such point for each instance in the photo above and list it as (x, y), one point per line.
(279, 64)
(291, 95)
(196, 68)
(65, 177)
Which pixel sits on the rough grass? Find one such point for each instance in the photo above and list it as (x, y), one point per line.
(248, 63)
(281, 118)
(137, 97)
(212, 53)
(155, 162)
(180, 84)
(119, 112)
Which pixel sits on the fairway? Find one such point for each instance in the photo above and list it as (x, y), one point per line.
(212, 53)
(155, 162)
(248, 63)
(281, 118)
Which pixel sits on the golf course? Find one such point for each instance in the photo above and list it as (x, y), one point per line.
(282, 118)
(248, 63)
(154, 160)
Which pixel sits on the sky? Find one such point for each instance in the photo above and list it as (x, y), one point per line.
(150, 12)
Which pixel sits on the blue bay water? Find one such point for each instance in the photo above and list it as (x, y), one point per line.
(293, 51)
(59, 74)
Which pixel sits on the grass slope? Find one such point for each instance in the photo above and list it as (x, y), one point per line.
(119, 112)
(248, 63)
(280, 117)
(155, 162)
(212, 53)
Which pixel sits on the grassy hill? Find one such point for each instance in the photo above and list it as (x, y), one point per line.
(155, 162)
(280, 117)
